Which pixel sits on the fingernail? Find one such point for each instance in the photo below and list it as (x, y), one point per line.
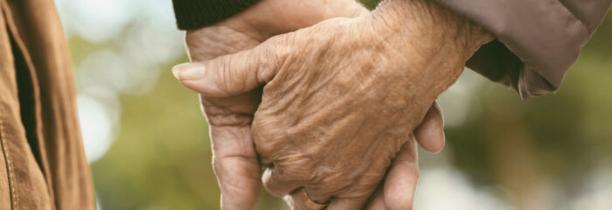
(187, 72)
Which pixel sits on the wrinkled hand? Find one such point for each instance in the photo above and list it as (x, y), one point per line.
(235, 159)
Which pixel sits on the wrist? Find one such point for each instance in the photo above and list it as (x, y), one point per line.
(428, 25)
(435, 40)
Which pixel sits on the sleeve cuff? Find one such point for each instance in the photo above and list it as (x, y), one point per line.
(193, 14)
(537, 41)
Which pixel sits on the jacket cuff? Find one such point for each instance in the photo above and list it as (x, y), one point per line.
(193, 14)
(537, 41)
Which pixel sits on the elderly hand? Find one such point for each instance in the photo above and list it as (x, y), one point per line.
(230, 116)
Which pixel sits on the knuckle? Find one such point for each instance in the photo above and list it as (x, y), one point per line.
(218, 166)
(272, 55)
(293, 165)
(330, 184)
(263, 137)
(224, 76)
(297, 166)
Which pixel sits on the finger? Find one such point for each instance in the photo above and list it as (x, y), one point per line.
(230, 75)
(358, 195)
(401, 180)
(278, 184)
(430, 134)
(236, 167)
(377, 201)
(299, 200)
(348, 203)
(318, 11)
(406, 179)
(406, 159)
(345, 8)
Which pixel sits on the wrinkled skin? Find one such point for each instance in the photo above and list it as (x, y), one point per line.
(235, 160)
(230, 115)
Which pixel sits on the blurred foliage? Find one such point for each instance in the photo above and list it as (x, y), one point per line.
(161, 155)
(557, 140)
(370, 3)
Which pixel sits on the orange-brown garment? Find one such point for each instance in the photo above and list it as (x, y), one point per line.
(42, 162)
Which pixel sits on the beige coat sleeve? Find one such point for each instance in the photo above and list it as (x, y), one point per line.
(537, 40)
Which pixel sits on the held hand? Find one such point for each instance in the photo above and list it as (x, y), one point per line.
(235, 159)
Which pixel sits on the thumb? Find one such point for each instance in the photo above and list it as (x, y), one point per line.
(430, 134)
(229, 75)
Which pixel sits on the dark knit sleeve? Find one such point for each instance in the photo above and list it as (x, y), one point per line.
(193, 14)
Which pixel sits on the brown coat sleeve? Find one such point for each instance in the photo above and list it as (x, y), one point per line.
(537, 40)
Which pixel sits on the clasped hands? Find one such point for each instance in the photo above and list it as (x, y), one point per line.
(323, 101)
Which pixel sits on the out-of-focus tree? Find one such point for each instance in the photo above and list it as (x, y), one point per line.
(541, 152)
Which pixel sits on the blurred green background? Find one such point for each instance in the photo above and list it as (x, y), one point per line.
(148, 145)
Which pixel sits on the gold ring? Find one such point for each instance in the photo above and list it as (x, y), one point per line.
(311, 204)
